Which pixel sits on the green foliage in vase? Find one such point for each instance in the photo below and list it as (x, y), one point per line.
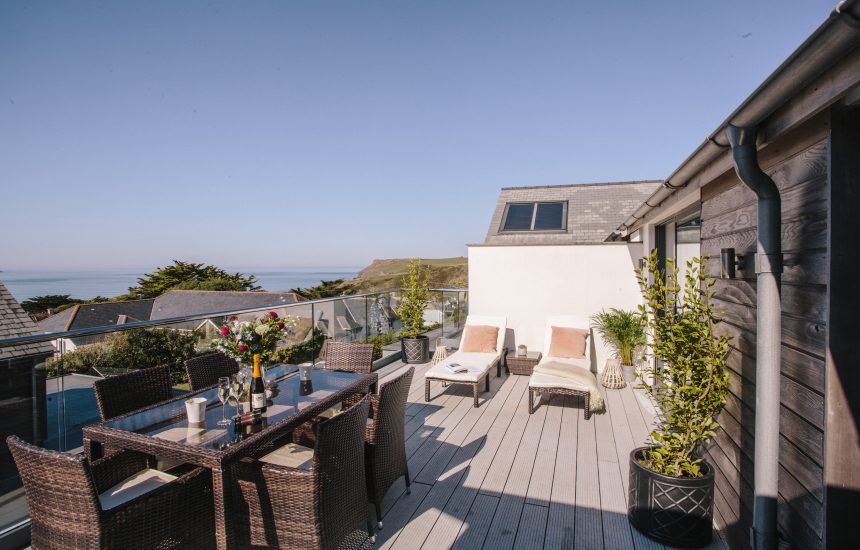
(622, 329)
(414, 300)
(690, 386)
(154, 284)
(132, 349)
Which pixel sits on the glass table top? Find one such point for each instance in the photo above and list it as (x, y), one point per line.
(290, 396)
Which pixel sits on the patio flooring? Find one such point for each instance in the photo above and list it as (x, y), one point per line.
(496, 477)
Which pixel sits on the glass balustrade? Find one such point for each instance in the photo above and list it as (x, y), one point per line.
(46, 395)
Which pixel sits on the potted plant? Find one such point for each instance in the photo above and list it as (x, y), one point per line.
(413, 343)
(625, 331)
(671, 485)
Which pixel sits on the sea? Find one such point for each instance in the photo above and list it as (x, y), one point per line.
(109, 283)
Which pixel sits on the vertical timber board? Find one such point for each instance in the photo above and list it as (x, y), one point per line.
(798, 162)
(842, 382)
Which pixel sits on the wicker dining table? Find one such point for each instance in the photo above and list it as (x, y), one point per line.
(163, 431)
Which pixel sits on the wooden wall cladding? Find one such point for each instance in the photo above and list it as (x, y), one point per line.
(729, 219)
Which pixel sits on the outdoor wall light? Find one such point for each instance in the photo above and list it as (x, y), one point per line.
(730, 263)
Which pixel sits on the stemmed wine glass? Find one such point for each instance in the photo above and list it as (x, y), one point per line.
(223, 395)
(238, 391)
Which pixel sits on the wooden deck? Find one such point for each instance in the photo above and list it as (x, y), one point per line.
(496, 477)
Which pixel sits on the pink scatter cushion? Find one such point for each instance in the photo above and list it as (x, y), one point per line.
(568, 342)
(480, 339)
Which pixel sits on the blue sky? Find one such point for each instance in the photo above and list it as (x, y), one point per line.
(290, 134)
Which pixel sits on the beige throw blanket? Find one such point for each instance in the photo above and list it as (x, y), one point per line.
(575, 374)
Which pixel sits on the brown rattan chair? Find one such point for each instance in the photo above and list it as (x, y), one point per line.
(205, 370)
(349, 356)
(297, 498)
(121, 394)
(385, 445)
(75, 504)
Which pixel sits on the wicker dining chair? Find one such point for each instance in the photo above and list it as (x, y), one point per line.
(301, 498)
(349, 356)
(124, 393)
(76, 504)
(385, 445)
(205, 370)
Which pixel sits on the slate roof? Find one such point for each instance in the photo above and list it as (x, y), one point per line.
(15, 322)
(176, 303)
(594, 211)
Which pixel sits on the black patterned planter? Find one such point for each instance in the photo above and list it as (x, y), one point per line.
(671, 510)
(415, 350)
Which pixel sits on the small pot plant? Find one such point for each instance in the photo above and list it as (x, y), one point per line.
(414, 345)
(671, 485)
(624, 330)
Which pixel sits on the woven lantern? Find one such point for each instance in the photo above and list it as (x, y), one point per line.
(612, 377)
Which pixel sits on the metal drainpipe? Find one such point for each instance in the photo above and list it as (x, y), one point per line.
(768, 267)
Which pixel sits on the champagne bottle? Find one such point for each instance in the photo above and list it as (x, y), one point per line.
(258, 389)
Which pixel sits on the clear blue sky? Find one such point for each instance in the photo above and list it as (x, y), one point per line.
(330, 133)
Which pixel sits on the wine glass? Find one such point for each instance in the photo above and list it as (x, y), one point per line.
(223, 395)
(238, 391)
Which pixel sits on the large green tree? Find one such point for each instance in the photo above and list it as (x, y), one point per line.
(188, 275)
(326, 289)
(41, 304)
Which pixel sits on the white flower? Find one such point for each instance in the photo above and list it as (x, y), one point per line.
(261, 329)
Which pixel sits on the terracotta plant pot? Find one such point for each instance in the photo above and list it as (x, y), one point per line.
(671, 510)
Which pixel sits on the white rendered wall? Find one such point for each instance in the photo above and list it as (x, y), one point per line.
(528, 283)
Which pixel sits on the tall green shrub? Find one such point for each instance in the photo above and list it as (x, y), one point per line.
(690, 385)
(132, 349)
(414, 299)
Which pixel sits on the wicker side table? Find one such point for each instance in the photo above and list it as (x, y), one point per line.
(522, 365)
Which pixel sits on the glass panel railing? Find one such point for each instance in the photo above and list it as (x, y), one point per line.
(47, 393)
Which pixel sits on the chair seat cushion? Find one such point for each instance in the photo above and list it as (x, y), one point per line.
(582, 362)
(134, 486)
(291, 455)
(539, 380)
(483, 362)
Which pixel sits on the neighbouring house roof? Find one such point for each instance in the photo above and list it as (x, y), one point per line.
(177, 303)
(15, 322)
(594, 210)
(100, 314)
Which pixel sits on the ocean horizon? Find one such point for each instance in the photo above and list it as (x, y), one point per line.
(26, 284)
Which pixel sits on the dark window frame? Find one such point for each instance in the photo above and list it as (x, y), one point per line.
(531, 229)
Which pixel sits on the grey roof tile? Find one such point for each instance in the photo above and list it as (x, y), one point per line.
(15, 322)
(594, 211)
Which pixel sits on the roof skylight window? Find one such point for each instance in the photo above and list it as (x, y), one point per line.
(535, 216)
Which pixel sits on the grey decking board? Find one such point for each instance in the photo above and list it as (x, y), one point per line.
(567, 501)
(399, 513)
(440, 459)
(446, 532)
(447, 480)
(503, 530)
(604, 437)
(616, 528)
(497, 475)
(478, 519)
(540, 486)
(588, 529)
(620, 428)
(562, 510)
(532, 528)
